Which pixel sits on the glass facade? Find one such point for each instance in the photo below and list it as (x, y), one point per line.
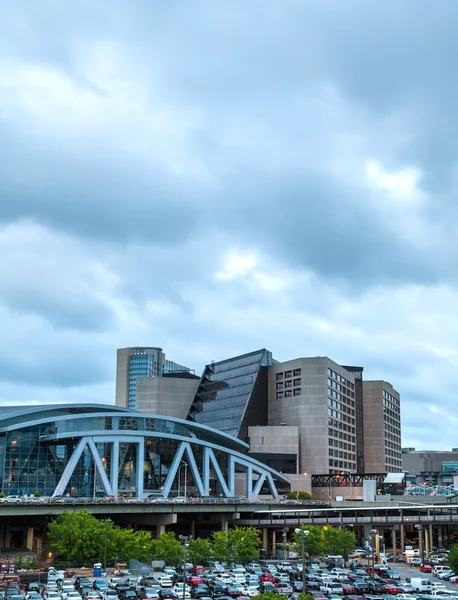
(67, 451)
(226, 391)
(143, 364)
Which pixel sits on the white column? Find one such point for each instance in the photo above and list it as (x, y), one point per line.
(114, 474)
(140, 467)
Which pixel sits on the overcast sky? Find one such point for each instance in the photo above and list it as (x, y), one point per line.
(214, 177)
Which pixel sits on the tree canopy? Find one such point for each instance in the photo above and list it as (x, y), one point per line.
(326, 540)
(453, 558)
(80, 537)
(299, 496)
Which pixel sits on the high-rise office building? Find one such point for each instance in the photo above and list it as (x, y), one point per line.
(137, 363)
(318, 396)
(303, 415)
(382, 428)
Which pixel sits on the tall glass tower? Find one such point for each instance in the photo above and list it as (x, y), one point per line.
(138, 362)
(233, 393)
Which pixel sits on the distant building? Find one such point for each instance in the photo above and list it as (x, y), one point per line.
(139, 362)
(430, 467)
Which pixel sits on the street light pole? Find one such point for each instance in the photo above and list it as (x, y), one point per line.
(107, 522)
(303, 533)
(185, 539)
(372, 534)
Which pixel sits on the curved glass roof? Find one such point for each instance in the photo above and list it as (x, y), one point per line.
(26, 416)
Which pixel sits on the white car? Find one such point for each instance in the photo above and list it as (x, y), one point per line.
(251, 591)
(182, 588)
(14, 499)
(438, 587)
(165, 581)
(73, 596)
(52, 595)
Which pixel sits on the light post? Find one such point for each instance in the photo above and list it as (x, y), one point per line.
(107, 522)
(303, 533)
(372, 534)
(185, 540)
(420, 541)
(284, 545)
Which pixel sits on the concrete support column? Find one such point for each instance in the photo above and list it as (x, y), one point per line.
(377, 545)
(224, 524)
(393, 541)
(274, 542)
(439, 536)
(193, 528)
(402, 538)
(431, 538)
(160, 529)
(426, 542)
(265, 539)
(29, 541)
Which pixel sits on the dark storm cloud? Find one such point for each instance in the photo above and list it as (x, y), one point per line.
(374, 56)
(140, 143)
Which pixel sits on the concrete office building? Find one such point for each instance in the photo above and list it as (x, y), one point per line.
(316, 395)
(139, 362)
(382, 428)
(430, 467)
(337, 419)
(306, 415)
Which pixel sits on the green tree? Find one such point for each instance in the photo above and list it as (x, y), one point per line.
(313, 542)
(238, 544)
(168, 548)
(453, 558)
(338, 542)
(80, 537)
(200, 551)
(299, 496)
(268, 596)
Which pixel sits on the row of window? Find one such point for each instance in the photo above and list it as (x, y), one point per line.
(340, 379)
(288, 374)
(390, 398)
(341, 435)
(343, 445)
(340, 425)
(288, 393)
(288, 384)
(341, 406)
(341, 454)
(340, 464)
(340, 388)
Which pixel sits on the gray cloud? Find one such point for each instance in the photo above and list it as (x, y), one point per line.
(139, 149)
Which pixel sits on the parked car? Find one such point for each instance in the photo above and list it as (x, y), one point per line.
(426, 569)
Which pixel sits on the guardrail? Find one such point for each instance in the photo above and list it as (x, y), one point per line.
(189, 501)
(355, 520)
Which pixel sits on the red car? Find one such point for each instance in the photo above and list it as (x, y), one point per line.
(194, 580)
(426, 568)
(267, 577)
(347, 589)
(389, 588)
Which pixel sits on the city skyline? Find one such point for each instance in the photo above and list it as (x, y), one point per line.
(216, 178)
